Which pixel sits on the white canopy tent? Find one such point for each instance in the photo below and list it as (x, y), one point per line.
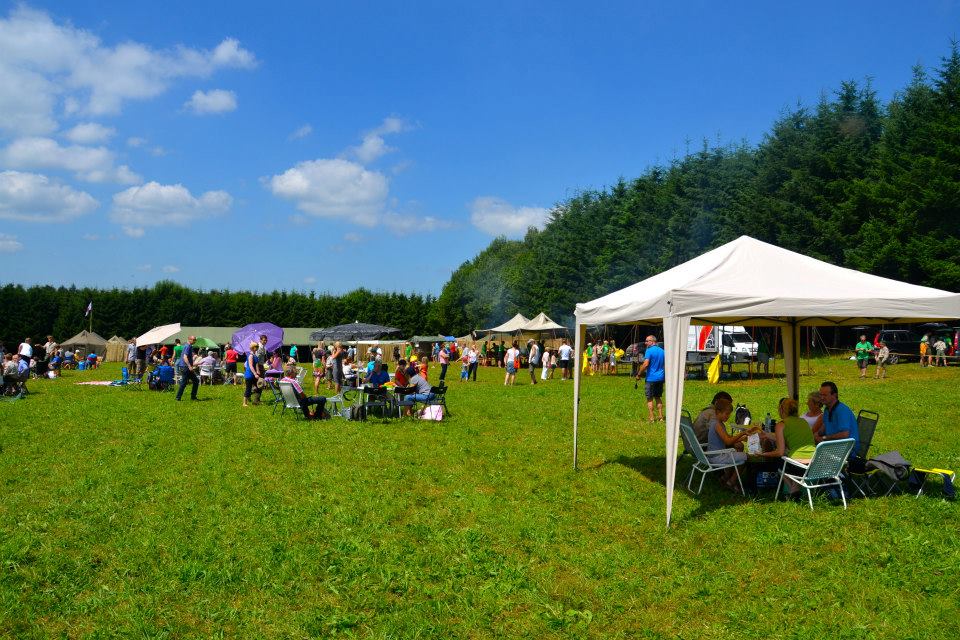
(158, 334)
(513, 325)
(541, 323)
(751, 282)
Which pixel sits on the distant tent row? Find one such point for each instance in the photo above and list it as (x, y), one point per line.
(519, 325)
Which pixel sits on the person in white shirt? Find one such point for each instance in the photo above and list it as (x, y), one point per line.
(473, 361)
(566, 351)
(533, 359)
(49, 347)
(511, 362)
(25, 349)
(546, 363)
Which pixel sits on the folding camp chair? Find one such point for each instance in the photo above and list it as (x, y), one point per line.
(685, 419)
(717, 461)
(124, 378)
(949, 477)
(866, 426)
(290, 400)
(439, 398)
(823, 470)
(374, 399)
(277, 395)
(402, 399)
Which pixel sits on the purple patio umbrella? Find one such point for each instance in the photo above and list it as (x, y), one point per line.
(251, 333)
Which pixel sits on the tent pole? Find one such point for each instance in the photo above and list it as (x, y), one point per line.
(578, 345)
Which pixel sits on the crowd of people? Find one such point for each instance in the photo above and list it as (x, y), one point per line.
(795, 435)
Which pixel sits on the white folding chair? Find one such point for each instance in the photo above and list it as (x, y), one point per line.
(822, 471)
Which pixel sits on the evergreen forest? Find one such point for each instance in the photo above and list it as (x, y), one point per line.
(858, 183)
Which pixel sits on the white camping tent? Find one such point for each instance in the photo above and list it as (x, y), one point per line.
(511, 326)
(542, 323)
(751, 282)
(158, 334)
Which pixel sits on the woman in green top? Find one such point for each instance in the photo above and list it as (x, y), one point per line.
(864, 349)
(791, 436)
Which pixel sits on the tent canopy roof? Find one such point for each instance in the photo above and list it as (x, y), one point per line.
(117, 339)
(85, 338)
(220, 335)
(542, 323)
(513, 325)
(749, 280)
(419, 339)
(353, 331)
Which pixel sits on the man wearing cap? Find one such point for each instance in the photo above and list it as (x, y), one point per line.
(187, 372)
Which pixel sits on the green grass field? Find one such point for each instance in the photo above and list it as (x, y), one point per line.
(126, 514)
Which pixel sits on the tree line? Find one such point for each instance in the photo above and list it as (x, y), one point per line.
(41, 310)
(850, 181)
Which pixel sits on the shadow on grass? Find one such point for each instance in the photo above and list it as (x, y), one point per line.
(653, 468)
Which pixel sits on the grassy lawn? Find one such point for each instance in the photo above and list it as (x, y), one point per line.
(124, 513)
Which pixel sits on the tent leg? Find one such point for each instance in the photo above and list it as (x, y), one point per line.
(578, 343)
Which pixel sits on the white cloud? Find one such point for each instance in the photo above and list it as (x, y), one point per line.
(154, 205)
(9, 244)
(302, 132)
(90, 132)
(333, 188)
(31, 197)
(92, 164)
(403, 225)
(136, 142)
(169, 268)
(352, 237)
(213, 101)
(44, 64)
(310, 280)
(498, 217)
(144, 267)
(373, 145)
(92, 237)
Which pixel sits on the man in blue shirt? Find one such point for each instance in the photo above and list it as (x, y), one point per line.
(838, 419)
(653, 366)
(187, 372)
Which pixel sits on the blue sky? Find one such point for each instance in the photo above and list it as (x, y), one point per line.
(328, 146)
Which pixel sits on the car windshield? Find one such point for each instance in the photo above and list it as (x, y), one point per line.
(741, 337)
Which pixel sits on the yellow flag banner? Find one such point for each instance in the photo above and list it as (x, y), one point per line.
(713, 371)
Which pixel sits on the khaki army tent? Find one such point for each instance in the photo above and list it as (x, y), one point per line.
(86, 342)
(116, 349)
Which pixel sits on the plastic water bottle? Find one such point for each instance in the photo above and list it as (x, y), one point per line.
(768, 422)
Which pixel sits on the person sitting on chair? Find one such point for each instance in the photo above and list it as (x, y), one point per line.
(791, 436)
(422, 391)
(701, 426)
(11, 376)
(838, 419)
(54, 365)
(400, 375)
(378, 377)
(303, 399)
(718, 439)
(161, 377)
(349, 373)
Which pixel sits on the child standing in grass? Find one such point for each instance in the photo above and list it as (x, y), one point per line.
(882, 356)
(465, 365)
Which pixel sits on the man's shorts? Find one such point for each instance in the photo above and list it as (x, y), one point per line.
(862, 363)
(565, 364)
(653, 389)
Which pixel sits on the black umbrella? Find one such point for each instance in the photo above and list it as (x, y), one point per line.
(353, 331)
